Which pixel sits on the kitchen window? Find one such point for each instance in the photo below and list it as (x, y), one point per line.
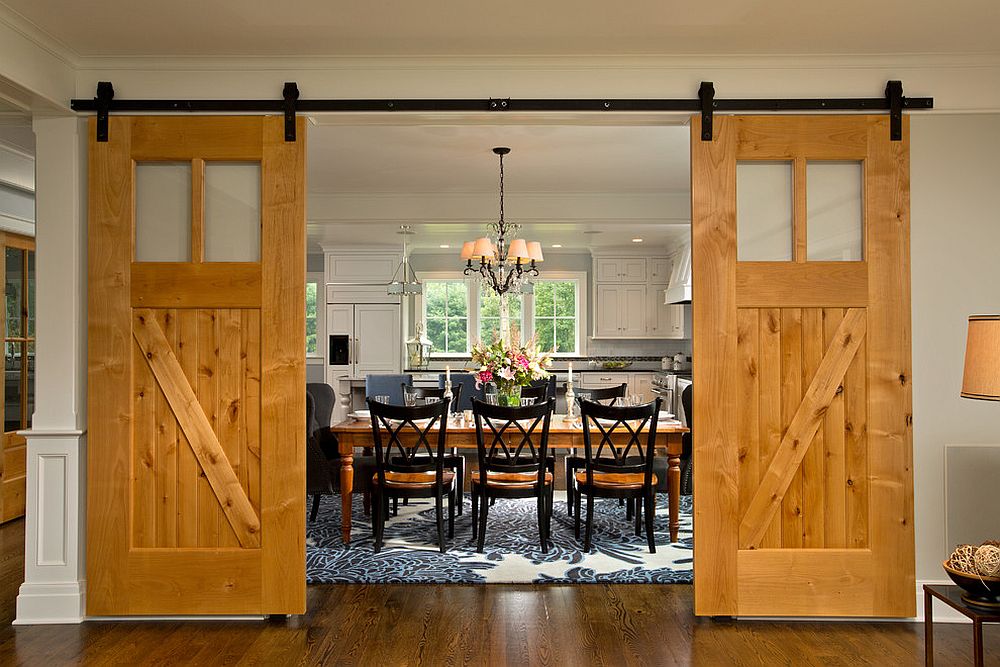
(315, 314)
(459, 312)
(446, 312)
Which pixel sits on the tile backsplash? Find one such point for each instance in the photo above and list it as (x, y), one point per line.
(637, 348)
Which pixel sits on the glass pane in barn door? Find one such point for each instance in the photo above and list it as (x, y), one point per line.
(764, 211)
(14, 292)
(13, 359)
(163, 212)
(232, 212)
(834, 211)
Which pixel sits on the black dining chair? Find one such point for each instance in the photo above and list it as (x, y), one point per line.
(538, 392)
(620, 465)
(512, 446)
(574, 461)
(453, 460)
(409, 461)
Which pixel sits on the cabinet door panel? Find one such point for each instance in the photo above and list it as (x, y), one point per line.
(609, 270)
(377, 331)
(607, 322)
(633, 310)
(634, 270)
(659, 270)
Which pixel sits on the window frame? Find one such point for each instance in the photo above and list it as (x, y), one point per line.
(472, 286)
(318, 277)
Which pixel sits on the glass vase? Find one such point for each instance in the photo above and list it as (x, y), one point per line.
(509, 395)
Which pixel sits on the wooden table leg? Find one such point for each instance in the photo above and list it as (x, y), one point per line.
(977, 642)
(346, 494)
(928, 629)
(674, 489)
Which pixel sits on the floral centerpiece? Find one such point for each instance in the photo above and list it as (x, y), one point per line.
(511, 366)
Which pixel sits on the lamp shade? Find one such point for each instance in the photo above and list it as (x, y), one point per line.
(982, 358)
(535, 251)
(518, 249)
(467, 249)
(483, 248)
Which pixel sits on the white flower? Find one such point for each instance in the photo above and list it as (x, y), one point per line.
(507, 373)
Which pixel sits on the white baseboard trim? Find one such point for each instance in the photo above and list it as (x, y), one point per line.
(51, 604)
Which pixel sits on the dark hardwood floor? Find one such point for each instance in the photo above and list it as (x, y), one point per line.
(476, 625)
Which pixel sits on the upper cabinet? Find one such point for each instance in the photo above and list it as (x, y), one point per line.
(620, 269)
(629, 299)
(360, 276)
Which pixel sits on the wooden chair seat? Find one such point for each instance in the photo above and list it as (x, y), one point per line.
(510, 480)
(413, 480)
(614, 480)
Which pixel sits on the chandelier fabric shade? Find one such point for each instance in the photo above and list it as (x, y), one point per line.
(505, 261)
(981, 379)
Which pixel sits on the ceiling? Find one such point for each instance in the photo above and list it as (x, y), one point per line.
(381, 159)
(576, 186)
(522, 27)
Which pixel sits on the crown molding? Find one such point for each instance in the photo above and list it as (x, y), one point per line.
(38, 36)
(874, 61)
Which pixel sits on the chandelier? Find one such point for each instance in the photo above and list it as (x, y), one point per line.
(504, 261)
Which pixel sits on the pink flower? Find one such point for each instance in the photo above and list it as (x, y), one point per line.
(483, 377)
(523, 361)
(507, 373)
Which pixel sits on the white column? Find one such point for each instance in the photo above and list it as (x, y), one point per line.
(55, 519)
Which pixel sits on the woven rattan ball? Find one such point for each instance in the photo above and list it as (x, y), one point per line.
(963, 558)
(987, 560)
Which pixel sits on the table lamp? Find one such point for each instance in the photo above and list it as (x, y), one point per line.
(982, 359)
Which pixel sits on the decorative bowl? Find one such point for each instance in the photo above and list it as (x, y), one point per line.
(980, 590)
(615, 365)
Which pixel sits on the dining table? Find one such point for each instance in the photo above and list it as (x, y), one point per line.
(353, 434)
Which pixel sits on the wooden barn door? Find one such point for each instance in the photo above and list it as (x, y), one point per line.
(196, 395)
(802, 440)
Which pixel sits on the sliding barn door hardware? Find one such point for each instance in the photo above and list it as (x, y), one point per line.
(291, 95)
(707, 105)
(105, 94)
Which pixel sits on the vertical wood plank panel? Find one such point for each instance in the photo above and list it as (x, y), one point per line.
(791, 397)
(856, 449)
(197, 210)
(210, 515)
(229, 410)
(813, 469)
(283, 403)
(890, 419)
(800, 225)
(166, 450)
(250, 432)
(747, 344)
(188, 470)
(109, 376)
(144, 503)
(713, 212)
(771, 428)
(835, 492)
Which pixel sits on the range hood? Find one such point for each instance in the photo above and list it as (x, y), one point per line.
(679, 288)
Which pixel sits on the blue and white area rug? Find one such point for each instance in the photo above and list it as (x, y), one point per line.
(512, 553)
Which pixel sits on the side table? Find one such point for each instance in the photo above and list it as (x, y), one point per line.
(952, 596)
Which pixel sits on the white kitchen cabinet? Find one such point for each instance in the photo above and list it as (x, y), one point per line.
(642, 385)
(604, 379)
(621, 311)
(659, 270)
(620, 269)
(374, 333)
(666, 320)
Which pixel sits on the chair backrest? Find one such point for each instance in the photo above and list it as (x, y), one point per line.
(409, 439)
(467, 381)
(540, 392)
(436, 392)
(603, 394)
(318, 478)
(325, 398)
(689, 416)
(621, 444)
(512, 439)
(387, 385)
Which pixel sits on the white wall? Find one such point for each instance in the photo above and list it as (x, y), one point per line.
(955, 197)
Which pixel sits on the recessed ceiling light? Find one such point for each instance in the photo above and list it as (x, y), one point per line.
(557, 245)
(636, 240)
(444, 245)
